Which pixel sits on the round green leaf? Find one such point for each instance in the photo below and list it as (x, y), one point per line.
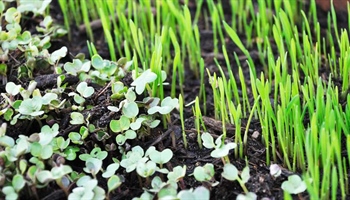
(77, 118)
(12, 88)
(113, 183)
(130, 110)
(294, 185)
(230, 172)
(18, 182)
(85, 90)
(111, 169)
(161, 157)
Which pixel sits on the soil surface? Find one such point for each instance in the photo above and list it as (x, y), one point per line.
(261, 182)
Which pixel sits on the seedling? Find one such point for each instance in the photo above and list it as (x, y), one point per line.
(132, 158)
(221, 149)
(231, 173)
(294, 185)
(205, 174)
(177, 175)
(200, 193)
(113, 183)
(159, 157)
(145, 78)
(77, 66)
(77, 118)
(111, 169)
(95, 153)
(87, 188)
(146, 169)
(56, 173)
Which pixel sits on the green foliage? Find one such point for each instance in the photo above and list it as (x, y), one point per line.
(77, 66)
(220, 149)
(200, 193)
(204, 173)
(159, 157)
(141, 81)
(294, 185)
(87, 188)
(231, 173)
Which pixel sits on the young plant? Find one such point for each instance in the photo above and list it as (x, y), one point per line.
(221, 149)
(294, 185)
(231, 173)
(200, 193)
(87, 188)
(205, 174)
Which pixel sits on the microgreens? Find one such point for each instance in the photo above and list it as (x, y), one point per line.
(294, 185)
(221, 149)
(231, 173)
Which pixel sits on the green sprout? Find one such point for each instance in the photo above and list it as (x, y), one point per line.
(294, 185)
(200, 193)
(231, 173)
(221, 149)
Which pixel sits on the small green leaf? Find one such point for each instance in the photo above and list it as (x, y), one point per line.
(200, 193)
(9, 192)
(137, 123)
(130, 95)
(31, 107)
(111, 169)
(120, 125)
(97, 62)
(161, 157)
(113, 183)
(35, 149)
(93, 165)
(117, 87)
(58, 54)
(177, 173)
(12, 88)
(47, 152)
(44, 176)
(48, 97)
(59, 171)
(124, 123)
(78, 99)
(85, 90)
(167, 105)
(208, 140)
(146, 169)
(140, 82)
(245, 174)
(221, 151)
(12, 15)
(7, 141)
(77, 66)
(77, 118)
(204, 173)
(18, 182)
(230, 172)
(47, 134)
(71, 152)
(294, 185)
(130, 110)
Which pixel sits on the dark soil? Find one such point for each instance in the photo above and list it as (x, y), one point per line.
(261, 182)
